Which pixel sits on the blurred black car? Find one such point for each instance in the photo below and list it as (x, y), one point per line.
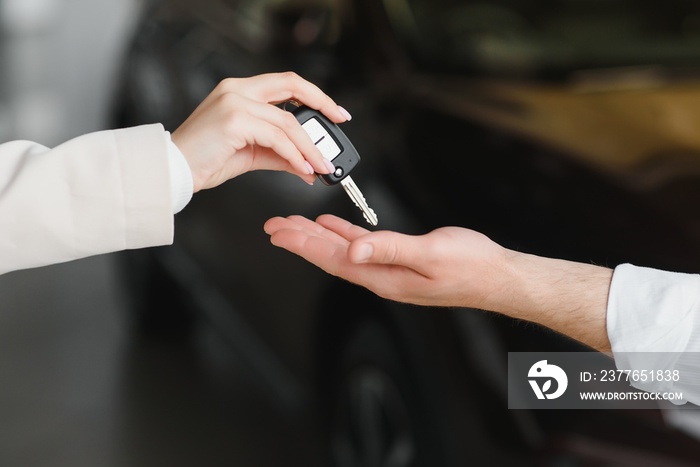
(563, 128)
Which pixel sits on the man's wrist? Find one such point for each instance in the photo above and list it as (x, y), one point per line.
(566, 296)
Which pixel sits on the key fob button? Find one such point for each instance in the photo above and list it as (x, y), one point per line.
(322, 139)
(328, 148)
(338, 172)
(333, 144)
(314, 129)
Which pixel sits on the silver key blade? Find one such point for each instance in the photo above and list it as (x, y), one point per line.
(356, 196)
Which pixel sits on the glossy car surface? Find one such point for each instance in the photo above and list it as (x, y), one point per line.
(564, 128)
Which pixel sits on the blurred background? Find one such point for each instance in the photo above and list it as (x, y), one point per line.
(565, 128)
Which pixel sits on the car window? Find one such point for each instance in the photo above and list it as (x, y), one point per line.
(547, 37)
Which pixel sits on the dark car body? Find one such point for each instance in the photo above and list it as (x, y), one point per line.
(567, 129)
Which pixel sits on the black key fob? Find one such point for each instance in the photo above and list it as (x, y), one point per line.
(331, 141)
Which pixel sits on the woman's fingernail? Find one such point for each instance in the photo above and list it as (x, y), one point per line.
(345, 113)
(329, 166)
(310, 170)
(310, 183)
(363, 253)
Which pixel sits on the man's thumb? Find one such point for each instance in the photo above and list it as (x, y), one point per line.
(382, 248)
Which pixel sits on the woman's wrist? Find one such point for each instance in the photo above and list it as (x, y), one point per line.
(181, 180)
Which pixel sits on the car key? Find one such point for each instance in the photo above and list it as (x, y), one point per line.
(337, 148)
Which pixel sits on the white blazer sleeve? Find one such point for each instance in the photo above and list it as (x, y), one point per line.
(98, 193)
(653, 323)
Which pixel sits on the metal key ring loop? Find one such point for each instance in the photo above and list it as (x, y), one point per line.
(293, 102)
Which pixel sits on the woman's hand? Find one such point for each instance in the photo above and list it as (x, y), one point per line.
(237, 128)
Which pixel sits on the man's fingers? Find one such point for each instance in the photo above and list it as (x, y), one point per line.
(327, 255)
(319, 230)
(274, 224)
(382, 247)
(345, 229)
(311, 241)
(312, 248)
(304, 225)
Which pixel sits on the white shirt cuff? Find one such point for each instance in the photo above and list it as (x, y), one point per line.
(651, 310)
(653, 323)
(181, 183)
